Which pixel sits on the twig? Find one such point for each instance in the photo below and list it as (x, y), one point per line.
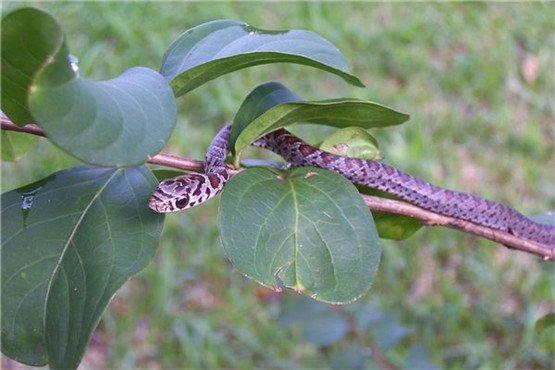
(173, 161)
(8, 125)
(187, 164)
(428, 218)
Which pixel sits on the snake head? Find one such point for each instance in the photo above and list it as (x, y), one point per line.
(183, 192)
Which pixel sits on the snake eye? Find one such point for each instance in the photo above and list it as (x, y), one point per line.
(182, 202)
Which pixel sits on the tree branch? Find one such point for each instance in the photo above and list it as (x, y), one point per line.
(428, 218)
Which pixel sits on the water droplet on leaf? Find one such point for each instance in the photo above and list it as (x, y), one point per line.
(28, 194)
(74, 61)
(27, 203)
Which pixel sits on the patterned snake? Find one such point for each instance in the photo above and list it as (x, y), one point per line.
(190, 190)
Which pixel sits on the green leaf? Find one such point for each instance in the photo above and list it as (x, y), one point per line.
(215, 48)
(271, 106)
(118, 122)
(352, 142)
(264, 163)
(389, 331)
(68, 243)
(395, 227)
(307, 229)
(391, 226)
(29, 37)
(419, 358)
(259, 100)
(320, 324)
(15, 145)
(349, 356)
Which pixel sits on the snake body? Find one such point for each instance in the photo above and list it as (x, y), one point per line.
(189, 190)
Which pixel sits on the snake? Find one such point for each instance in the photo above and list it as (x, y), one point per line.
(190, 190)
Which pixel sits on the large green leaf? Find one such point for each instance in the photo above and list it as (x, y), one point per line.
(29, 37)
(320, 324)
(271, 106)
(307, 229)
(118, 122)
(68, 243)
(215, 48)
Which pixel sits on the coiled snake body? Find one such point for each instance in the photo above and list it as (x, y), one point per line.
(189, 190)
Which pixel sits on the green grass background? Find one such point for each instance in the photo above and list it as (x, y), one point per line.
(477, 80)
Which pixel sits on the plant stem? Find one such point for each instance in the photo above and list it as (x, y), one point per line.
(428, 218)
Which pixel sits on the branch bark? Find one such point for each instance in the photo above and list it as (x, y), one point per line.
(428, 218)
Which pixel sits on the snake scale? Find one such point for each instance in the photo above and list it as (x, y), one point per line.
(190, 190)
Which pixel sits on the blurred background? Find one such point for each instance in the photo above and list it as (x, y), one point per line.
(477, 80)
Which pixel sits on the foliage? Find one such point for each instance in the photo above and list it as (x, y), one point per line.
(69, 242)
(316, 236)
(204, 234)
(303, 231)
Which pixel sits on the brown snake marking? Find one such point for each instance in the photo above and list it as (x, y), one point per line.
(190, 190)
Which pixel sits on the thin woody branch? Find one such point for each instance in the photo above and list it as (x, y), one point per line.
(174, 161)
(428, 218)
(30, 128)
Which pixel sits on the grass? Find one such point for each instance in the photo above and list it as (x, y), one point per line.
(476, 80)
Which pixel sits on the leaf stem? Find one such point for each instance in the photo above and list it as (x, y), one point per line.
(428, 218)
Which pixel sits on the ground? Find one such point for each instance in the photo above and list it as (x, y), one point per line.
(477, 81)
